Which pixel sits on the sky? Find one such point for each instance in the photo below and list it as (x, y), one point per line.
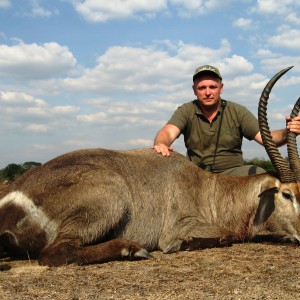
(78, 74)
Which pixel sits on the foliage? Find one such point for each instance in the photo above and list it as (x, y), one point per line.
(12, 171)
(261, 162)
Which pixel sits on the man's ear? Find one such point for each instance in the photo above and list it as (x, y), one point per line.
(266, 206)
(193, 87)
(222, 87)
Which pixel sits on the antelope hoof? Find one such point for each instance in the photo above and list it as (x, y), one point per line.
(143, 253)
(133, 253)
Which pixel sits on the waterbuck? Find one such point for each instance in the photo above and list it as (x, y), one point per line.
(92, 206)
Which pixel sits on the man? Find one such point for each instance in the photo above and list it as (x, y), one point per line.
(214, 128)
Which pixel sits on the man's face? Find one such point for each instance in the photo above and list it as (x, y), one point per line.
(208, 89)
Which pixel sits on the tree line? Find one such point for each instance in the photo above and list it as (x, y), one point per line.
(12, 171)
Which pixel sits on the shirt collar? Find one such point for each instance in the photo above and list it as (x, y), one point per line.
(199, 111)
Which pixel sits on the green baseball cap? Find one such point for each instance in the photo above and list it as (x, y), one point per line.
(207, 69)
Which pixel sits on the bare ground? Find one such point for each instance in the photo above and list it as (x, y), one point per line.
(243, 271)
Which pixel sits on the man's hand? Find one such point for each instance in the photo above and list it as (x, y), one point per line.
(163, 149)
(166, 136)
(293, 124)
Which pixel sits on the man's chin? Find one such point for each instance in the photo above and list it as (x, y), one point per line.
(210, 103)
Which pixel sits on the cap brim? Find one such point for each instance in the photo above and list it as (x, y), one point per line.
(206, 72)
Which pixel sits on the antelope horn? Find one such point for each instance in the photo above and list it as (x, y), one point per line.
(292, 145)
(280, 164)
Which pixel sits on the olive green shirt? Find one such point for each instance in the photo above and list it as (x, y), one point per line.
(200, 136)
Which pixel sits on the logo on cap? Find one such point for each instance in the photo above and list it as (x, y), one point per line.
(207, 68)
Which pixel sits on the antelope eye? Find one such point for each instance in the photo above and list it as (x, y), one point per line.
(287, 195)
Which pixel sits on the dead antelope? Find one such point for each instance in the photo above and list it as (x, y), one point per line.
(93, 206)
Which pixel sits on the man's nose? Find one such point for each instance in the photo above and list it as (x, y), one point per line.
(207, 91)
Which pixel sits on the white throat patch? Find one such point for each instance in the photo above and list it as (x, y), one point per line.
(19, 199)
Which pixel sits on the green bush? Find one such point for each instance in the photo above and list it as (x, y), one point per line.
(261, 162)
(12, 171)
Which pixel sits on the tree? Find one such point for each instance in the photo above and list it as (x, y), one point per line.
(261, 162)
(12, 171)
(30, 164)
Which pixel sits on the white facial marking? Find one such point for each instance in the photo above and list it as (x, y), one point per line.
(36, 213)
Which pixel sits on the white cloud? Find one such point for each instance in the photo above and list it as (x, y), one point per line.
(64, 110)
(19, 98)
(102, 11)
(5, 3)
(274, 64)
(43, 147)
(283, 8)
(198, 54)
(137, 143)
(270, 6)
(278, 116)
(187, 8)
(80, 144)
(33, 61)
(293, 18)
(243, 23)
(265, 53)
(37, 128)
(114, 71)
(99, 117)
(161, 71)
(41, 12)
(51, 112)
(286, 38)
(24, 112)
(35, 9)
(235, 64)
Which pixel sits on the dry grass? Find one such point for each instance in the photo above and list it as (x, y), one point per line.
(243, 271)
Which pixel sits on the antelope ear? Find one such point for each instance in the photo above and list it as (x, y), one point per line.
(266, 206)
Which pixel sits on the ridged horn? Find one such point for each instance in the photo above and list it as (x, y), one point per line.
(292, 145)
(280, 164)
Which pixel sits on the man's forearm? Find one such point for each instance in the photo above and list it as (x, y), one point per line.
(279, 136)
(162, 138)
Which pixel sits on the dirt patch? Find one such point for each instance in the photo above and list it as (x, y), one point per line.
(243, 271)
